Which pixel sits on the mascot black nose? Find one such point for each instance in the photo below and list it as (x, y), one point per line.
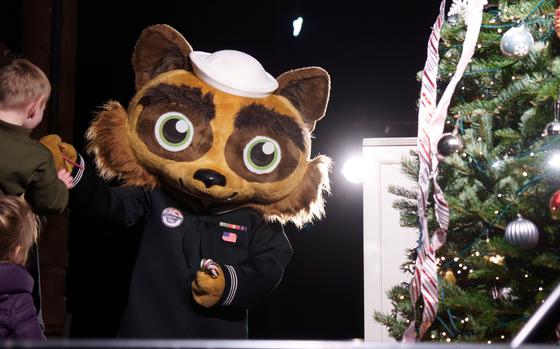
(210, 178)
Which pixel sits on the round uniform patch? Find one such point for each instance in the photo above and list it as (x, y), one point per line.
(171, 217)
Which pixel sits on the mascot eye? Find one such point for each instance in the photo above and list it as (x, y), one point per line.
(174, 131)
(261, 155)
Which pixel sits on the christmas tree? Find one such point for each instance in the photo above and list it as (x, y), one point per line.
(500, 173)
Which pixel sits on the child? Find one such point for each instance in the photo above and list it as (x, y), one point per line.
(18, 231)
(26, 166)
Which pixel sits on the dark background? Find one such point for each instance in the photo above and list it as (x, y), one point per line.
(372, 51)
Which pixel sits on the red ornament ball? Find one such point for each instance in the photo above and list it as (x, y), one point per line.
(554, 205)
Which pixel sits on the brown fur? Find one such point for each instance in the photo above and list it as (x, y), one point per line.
(108, 143)
(258, 116)
(201, 143)
(207, 290)
(293, 192)
(308, 90)
(189, 97)
(306, 202)
(160, 48)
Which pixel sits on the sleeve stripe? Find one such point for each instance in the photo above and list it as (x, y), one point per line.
(233, 285)
(80, 171)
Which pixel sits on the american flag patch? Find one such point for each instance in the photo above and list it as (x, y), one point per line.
(229, 236)
(233, 226)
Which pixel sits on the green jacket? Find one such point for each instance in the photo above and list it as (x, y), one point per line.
(27, 167)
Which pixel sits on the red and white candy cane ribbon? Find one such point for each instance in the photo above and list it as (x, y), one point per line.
(431, 120)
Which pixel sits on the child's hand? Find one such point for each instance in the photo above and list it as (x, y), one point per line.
(65, 177)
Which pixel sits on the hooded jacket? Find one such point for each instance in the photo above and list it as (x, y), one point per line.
(18, 317)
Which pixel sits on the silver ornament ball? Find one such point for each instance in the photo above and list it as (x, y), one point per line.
(552, 129)
(517, 42)
(449, 143)
(522, 233)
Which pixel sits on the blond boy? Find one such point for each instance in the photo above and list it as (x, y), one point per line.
(26, 166)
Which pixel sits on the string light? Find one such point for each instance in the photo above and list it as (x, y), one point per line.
(448, 340)
(525, 174)
(540, 288)
(497, 259)
(477, 253)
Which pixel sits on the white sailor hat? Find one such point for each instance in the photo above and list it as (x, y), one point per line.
(233, 72)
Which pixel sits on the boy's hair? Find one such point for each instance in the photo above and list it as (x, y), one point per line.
(19, 226)
(22, 82)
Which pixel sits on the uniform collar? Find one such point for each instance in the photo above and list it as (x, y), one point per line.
(197, 206)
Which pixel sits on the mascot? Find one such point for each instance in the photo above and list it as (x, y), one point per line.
(214, 154)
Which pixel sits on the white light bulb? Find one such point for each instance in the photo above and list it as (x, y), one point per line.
(297, 24)
(353, 170)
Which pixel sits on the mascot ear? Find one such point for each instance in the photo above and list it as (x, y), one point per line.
(308, 90)
(160, 48)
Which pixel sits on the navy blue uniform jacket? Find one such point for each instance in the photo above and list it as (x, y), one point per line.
(253, 255)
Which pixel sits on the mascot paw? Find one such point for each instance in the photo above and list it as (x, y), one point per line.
(209, 283)
(64, 154)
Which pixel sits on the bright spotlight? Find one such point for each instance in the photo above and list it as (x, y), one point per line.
(297, 23)
(353, 169)
(554, 161)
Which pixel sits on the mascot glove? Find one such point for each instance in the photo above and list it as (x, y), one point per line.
(64, 155)
(209, 283)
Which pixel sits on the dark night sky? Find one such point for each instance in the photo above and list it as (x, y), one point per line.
(372, 51)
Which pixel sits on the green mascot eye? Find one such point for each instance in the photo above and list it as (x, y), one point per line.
(261, 155)
(174, 131)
